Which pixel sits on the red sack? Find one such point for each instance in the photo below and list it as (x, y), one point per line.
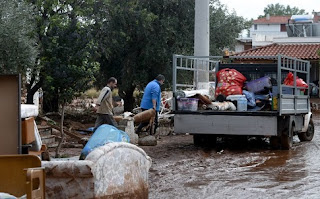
(289, 81)
(227, 89)
(228, 75)
(230, 82)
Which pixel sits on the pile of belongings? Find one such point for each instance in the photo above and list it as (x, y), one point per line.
(229, 82)
(233, 88)
(233, 92)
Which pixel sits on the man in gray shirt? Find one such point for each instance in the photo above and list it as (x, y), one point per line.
(104, 105)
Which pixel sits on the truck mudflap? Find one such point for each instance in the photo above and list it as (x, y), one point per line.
(307, 118)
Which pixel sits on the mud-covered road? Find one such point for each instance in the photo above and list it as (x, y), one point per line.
(235, 169)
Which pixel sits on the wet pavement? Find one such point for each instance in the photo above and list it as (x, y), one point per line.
(235, 169)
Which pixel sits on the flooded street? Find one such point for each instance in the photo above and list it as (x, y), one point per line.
(235, 169)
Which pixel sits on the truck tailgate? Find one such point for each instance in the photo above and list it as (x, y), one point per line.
(222, 124)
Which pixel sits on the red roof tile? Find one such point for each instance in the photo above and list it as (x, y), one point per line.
(272, 20)
(301, 51)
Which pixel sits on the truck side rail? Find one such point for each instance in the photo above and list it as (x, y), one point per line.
(191, 63)
(295, 103)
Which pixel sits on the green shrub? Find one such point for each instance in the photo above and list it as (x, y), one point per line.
(92, 93)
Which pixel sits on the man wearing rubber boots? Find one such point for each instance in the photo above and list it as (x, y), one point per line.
(151, 100)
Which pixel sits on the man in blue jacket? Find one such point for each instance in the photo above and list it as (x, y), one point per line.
(152, 99)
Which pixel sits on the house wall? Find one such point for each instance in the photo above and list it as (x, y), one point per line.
(242, 46)
(266, 27)
(239, 47)
(265, 33)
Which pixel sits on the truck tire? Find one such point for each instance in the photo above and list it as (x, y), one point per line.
(202, 140)
(308, 135)
(287, 140)
(275, 142)
(197, 140)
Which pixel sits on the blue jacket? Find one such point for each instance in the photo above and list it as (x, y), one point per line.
(152, 91)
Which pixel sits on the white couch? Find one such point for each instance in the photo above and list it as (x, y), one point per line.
(115, 170)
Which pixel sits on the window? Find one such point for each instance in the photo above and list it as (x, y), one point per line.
(283, 28)
(255, 26)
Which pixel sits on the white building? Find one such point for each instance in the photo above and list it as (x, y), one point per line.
(264, 30)
(281, 29)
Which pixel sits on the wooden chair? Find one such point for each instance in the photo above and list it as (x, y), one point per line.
(22, 174)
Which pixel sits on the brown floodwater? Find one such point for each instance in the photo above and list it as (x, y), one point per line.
(236, 168)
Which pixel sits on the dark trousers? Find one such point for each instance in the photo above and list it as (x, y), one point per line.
(104, 119)
(143, 124)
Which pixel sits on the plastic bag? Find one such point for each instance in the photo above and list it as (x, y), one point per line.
(227, 89)
(103, 135)
(289, 81)
(258, 85)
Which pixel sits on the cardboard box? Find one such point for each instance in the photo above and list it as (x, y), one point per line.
(27, 131)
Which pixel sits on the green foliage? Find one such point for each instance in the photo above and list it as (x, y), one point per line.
(17, 44)
(68, 51)
(281, 10)
(91, 93)
(224, 28)
(69, 66)
(132, 40)
(138, 37)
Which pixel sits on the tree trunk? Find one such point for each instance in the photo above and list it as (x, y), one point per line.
(50, 104)
(61, 132)
(32, 91)
(127, 96)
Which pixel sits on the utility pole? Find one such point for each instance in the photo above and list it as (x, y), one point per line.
(201, 39)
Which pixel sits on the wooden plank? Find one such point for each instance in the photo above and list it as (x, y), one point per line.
(52, 124)
(10, 122)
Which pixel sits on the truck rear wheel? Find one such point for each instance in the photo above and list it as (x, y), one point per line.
(275, 142)
(287, 140)
(203, 140)
(308, 135)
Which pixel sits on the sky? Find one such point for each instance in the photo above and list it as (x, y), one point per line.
(253, 8)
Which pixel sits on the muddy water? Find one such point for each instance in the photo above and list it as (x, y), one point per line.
(235, 169)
